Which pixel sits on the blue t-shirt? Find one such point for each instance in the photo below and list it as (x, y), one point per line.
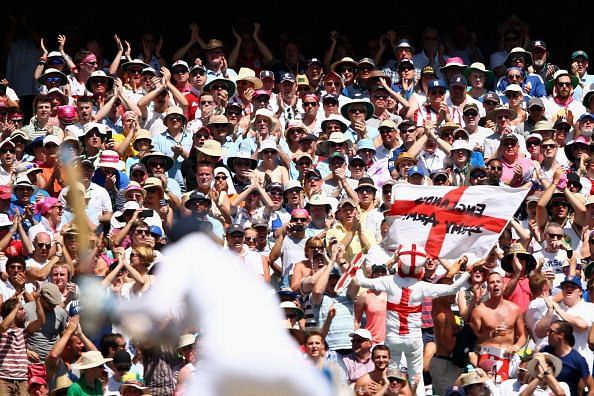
(574, 368)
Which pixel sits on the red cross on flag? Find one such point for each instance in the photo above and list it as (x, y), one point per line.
(451, 221)
(347, 276)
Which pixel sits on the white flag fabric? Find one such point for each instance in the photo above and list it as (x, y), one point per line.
(451, 221)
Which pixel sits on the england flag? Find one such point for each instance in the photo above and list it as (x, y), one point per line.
(451, 221)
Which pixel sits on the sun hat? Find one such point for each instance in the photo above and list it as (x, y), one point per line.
(134, 62)
(230, 85)
(241, 155)
(51, 72)
(247, 74)
(292, 307)
(61, 382)
(89, 360)
(549, 358)
(211, 148)
(344, 109)
(519, 250)
(110, 159)
(478, 66)
(185, 340)
(97, 75)
(128, 208)
(157, 155)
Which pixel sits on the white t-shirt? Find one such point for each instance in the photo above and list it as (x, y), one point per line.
(547, 392)
(554, 262)
(585, 311)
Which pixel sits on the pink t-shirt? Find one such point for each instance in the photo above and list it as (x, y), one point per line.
(521, 294)
(375, 312)
(508, 171)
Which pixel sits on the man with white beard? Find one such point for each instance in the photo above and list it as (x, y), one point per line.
(538, 49)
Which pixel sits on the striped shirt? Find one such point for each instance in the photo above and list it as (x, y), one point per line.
(13, 354)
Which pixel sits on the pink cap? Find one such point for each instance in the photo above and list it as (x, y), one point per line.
(300, 211)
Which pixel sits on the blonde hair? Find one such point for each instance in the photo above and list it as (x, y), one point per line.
(145, 252)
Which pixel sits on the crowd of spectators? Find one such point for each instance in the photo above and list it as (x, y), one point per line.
(289, 162)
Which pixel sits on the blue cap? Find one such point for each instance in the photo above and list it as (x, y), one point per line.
(437, 84)
(365, 144)
(156, 231)
(415, 170)
(576, 280)
(287, 77)
(585, 115)
(459, 80)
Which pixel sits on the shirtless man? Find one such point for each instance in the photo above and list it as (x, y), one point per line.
(443, 371)
(498, 325)
(375, 380)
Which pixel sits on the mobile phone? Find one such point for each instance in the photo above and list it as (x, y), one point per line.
(109, 134)
(146, 213)
(298, 227)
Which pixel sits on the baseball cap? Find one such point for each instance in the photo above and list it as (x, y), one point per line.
(577, 54)
(311, 61)
(536, 102)
(266, 74)
(37, 380)
(538, 44)
(576, 280)
(491, 96)
(138, 167)
(274, 186)
(235, 228)
(363, 333)
(458, 79)
(415, 170)
(156, 231)
(287, 77)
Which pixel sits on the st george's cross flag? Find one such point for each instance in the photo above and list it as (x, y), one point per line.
(451, 221)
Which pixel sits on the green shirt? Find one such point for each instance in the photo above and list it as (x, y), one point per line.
(81, 388)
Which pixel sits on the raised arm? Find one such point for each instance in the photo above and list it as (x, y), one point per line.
(115, 63)
(542, 215)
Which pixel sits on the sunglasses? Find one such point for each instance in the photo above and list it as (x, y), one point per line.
(304, 163)
(307, 104)
(496, 168)
(141, 232)
(134, 71)
(332, 83)
(533, 143)
(268, 152)
(470, 113)
(564, 84)
(176, 118)
(180, 71)
(346, 69)
(560, 203)
(199, 72)
(514, 76)
(356, 111)
(42, 245)
(512, 95)
(221, 177)
(250, 239)
(548, 146)
(7, 150)
(383, 97)
(298, 219)
(437, 92)
(367, 190)
(218, 87)
(233, 113)
(490, 103)
(275, 193)
(160, 164)
(53, 80)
